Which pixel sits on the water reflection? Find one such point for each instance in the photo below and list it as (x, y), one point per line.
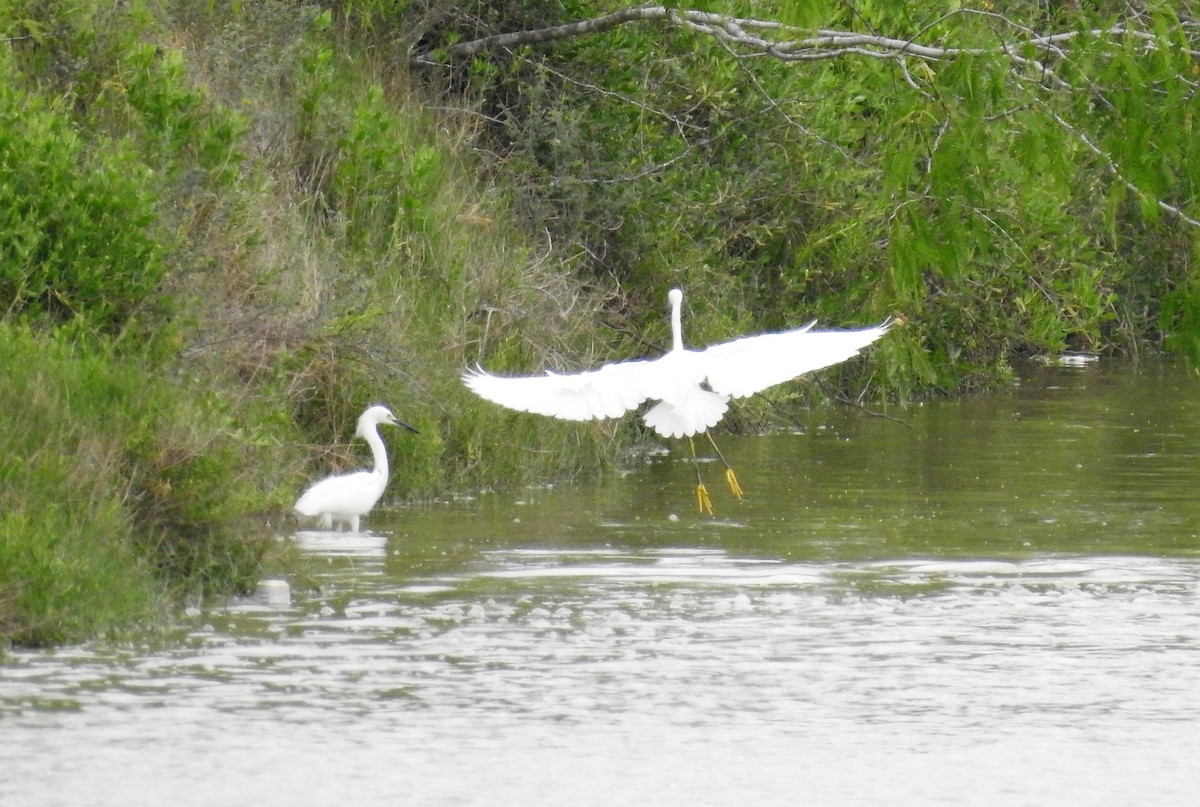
(997, 601)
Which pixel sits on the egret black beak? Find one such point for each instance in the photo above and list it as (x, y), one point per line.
(398, 422)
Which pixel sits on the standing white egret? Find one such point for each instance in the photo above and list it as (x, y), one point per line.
(692, 387)
(346, 497)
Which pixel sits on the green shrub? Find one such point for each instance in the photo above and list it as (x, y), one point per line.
(116, 487)
(76, 222)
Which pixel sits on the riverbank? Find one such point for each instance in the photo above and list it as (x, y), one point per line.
(227, 229)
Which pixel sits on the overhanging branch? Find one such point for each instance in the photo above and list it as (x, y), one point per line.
(539, 35)
(787, 43)
(1029, 53)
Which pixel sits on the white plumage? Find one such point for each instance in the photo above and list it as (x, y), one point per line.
(347, 497)
(692, 387)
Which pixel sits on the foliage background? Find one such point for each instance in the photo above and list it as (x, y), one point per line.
(975, 195)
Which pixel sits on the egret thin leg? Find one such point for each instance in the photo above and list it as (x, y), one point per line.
(729, 475)
(702, 498)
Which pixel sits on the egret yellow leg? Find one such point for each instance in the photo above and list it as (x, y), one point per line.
(702, 498)
(730, 477)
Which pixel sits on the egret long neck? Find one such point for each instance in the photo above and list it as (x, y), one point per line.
(378, 452)
(676, 323)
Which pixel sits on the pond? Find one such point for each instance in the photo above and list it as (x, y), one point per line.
(991, 600)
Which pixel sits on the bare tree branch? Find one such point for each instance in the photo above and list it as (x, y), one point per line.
(516, 38)
(751, 35)
(1115, 169)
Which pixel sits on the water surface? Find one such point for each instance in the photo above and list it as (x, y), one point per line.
(993, 600)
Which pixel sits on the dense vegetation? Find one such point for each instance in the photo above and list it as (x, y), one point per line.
(225, 228)
(1006, 197)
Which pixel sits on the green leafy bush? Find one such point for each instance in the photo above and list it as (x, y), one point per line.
(77, 223)
(1003, 201)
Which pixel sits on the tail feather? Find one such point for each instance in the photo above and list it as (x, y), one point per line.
(698, 412)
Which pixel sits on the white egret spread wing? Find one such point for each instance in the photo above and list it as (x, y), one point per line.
(608, 392)
(751, 364)
(692, 387)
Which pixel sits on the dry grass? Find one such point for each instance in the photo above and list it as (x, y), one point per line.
(364, 258)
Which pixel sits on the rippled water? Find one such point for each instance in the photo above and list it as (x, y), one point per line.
(988, 601)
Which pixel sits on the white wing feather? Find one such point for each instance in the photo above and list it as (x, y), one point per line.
(751, 364)
(733, 369)
(608, 392)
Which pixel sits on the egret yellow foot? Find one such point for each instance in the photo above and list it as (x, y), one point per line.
(733, 483)
(703, 500)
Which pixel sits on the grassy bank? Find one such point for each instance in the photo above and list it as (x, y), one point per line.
(210, 269)
(116, 492)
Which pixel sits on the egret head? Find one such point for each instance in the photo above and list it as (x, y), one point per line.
(375, 415)
(675, 296)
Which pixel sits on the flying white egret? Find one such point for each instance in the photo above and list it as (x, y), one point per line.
(692, 387)
(346, 497)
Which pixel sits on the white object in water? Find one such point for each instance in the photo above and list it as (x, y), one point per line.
(346, 497)
(276, 593)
